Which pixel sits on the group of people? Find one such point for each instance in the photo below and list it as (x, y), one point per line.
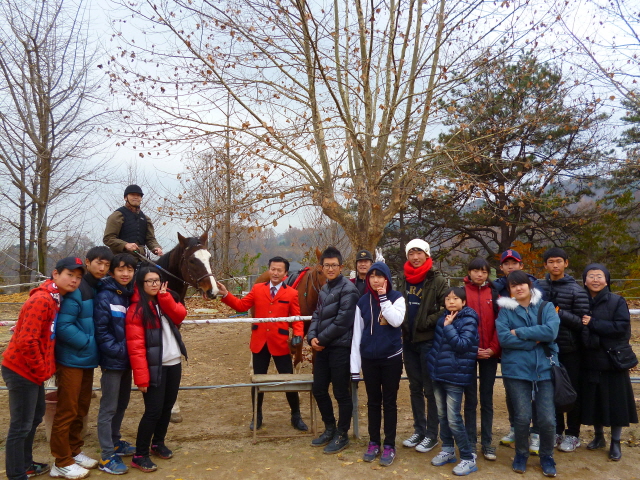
(449, 340)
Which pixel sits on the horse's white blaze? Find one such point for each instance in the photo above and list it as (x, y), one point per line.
(205, 257)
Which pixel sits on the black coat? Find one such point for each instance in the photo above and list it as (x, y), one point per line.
(610, 326)
(573, 303)
(332, 321)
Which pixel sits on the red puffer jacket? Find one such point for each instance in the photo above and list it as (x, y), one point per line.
(145, 346)
(31, 349)
(482, 299)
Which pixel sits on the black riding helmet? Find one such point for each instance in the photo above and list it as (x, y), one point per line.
(133, 189)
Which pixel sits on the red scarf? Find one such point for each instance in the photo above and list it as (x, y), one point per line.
(417, 275)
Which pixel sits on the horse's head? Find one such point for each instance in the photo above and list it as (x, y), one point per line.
(196, 265)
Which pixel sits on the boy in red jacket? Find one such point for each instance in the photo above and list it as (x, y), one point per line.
(482, 296)
(29, 360)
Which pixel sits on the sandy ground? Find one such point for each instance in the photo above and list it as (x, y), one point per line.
(214, 441)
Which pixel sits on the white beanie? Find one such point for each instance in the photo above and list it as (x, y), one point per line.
(419, 244)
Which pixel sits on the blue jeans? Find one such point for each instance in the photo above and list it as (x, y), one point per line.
(116, 391)
(522, 394)
(421, 386)
(26, 409)
(449, 401)
(487, 375)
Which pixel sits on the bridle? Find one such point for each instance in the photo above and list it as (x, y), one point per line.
(191, 283)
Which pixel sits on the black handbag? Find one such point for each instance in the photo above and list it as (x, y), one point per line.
(564, 395)
(622, 357)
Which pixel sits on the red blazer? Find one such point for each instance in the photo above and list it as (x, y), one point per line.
(274, 334)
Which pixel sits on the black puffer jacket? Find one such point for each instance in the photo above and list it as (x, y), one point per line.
(573, 303)
(332, 321)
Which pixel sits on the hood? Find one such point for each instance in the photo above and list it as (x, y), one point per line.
(511, 303)
(384, 269)
(50, 287)
(109, 283)
(596, 266)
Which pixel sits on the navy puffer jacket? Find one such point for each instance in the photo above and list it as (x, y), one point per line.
(452, 359)
(109, 313)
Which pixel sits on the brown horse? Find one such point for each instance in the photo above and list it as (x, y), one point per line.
(308, 289)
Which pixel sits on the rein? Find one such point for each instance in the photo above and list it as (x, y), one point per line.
(145, 259)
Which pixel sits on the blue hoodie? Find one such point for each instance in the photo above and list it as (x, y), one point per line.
(382, 337)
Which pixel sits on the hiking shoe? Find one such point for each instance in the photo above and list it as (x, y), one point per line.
(569, 444)
(339, 442)
(85, 462)
(509, 438)
(443, 458)
(161, 450)
(559, 440)
(144, 463)
(325, 437)
(124, 449)
(519, 464)
(548, 466)
(413, 440)
(113, 465)
(373, 450)
(597, 442)
(72, 472)
(465, 467)
(534, 444)
(489, 453)
(37, 468)
(426, 445)
(388, 455)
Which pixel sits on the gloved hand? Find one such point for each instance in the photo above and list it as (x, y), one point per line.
(352, 275)
(296, 340)
(379, 257)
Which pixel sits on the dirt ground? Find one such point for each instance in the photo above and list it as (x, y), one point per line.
(214, 440)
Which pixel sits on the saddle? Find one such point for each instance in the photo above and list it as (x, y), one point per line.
(294, 278)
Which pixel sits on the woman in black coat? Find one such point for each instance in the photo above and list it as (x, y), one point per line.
(607, 395)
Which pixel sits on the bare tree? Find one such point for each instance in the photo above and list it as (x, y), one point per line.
(340, 95)
(48, 117)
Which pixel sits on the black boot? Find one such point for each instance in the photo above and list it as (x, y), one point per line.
(326, 436)
(259, 424)
(615, 453)
(297, 423)
(597, 442)
(339, 442)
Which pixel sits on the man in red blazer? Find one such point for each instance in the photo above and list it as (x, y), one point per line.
(272, 299)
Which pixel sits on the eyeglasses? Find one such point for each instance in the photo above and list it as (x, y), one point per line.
(331, 266)
(153, 282)
(596, 277)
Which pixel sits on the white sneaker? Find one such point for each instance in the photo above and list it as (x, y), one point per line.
(534, 444)
(426, 445)
(413, 440)
(443, 458)
(569, 444)
(85, 461)
(509, 438)
(72, 472)
(465, 467)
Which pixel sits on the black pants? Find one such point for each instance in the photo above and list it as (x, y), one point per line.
(332, 367)
(382, 381)
(283, 365)
(158, 402)
(571, 362)
(487, 369)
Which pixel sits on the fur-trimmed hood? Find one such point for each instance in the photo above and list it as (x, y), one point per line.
(511, 303)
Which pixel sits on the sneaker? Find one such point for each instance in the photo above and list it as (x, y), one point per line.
(426, 445)
(113, 465)
(465, 467)
(559, 440)
(509, 438)
(161, 450)
(85, 462)
(338, 443)
(548, 466)
(388, 455)
(72, 472)
(124, 449)
(373, 450)
(569, 444)
(443, 458)
(489, 453)
(144, 463)
(37, 468)
(413, 440)
(534, 444)
(519, 464)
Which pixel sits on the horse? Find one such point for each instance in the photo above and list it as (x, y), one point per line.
(308, 283)
(189, 264)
